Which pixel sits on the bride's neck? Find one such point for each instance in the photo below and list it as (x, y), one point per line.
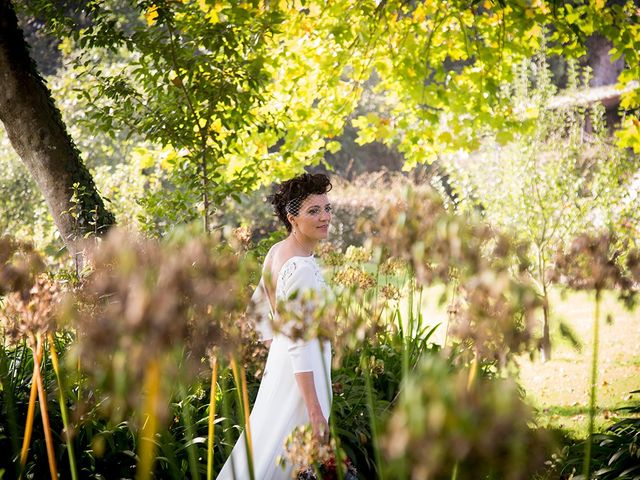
(302, 244)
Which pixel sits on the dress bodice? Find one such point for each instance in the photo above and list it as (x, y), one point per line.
(298, 274)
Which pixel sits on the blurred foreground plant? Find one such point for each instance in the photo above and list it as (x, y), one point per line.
(146, 316)
(442, 427)
(593, 263)
(312, 459)
(28, 315)
(493, 300)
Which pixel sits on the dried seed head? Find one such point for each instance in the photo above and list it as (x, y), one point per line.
(349, 276)
(357, 254)
(31, 298)
(496, 316)
(243, 235)
(149, 302)
(19, 266)
(303, 450)
(439, 421)
(25, 317)
(592, 263)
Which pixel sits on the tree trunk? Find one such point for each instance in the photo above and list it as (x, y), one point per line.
(546, 337)
(38, 135)
(605, 70)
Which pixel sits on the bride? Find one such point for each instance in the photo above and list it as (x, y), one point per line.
(296, 386)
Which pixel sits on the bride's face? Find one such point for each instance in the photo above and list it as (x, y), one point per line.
(314, 217)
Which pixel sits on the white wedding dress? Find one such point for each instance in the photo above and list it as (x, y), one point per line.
(279, 407)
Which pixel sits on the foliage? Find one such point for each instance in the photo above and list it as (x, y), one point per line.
(23, 211)
(615, 452)
(478, 430)
(547, 185)
(248, 93)
(190, 74)
(444, 88)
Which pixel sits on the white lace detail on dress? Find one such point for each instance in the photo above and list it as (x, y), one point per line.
(289, 267)
(285, 275)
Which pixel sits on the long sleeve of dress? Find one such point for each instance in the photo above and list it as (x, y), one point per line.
(306, 354)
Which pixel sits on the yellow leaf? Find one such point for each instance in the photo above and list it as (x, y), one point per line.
(216, 125)
(151, 15)
(213, 14)
(445, 137)
(203, 6)
(534, 31)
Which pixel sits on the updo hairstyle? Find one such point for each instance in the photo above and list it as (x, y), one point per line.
(297, 188)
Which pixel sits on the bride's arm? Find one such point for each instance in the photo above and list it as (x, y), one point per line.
(303, 354)
(308, 390)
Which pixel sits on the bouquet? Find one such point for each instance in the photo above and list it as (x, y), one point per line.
(328, 471)
(313, 460)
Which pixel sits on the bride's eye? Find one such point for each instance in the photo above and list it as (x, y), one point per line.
(314, 211)
(328, 209)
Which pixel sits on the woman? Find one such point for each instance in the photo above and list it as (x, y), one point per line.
(296, 386)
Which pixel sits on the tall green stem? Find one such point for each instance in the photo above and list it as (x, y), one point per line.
(332, 429)
(226, 411)
(372, 419)
(212, 417)
(188, 428)
(63, 409)
(594, 380)
(454, 472)
(407, 332)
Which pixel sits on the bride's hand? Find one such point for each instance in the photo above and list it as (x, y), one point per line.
(320, 427)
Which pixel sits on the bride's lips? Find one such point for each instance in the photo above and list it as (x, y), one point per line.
(324, 227)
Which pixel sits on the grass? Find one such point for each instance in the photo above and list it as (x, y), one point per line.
(559, 388)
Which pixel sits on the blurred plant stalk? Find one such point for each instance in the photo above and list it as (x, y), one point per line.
(28, 428)
(147, 447)
(594, 380)
(212, 417)
(240, 378)
(63, 408)
(42, 398)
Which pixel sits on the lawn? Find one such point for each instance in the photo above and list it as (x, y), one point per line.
(559, 388)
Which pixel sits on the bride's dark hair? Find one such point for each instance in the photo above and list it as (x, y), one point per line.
(294, 191)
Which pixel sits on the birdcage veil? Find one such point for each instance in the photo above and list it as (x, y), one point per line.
(293, 205)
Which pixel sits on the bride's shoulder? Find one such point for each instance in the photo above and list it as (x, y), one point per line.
(299, 273)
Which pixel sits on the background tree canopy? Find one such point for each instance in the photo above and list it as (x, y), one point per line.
(227, 96)
(513, 129)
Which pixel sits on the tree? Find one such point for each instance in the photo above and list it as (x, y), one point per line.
(548, 186)
(38, 135)
(246, 93)
(188, 76)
